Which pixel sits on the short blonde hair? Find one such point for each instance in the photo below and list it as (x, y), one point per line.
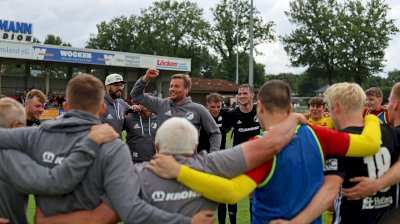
(177, 135)
(36, 93)
(10, 111)
(350, 96)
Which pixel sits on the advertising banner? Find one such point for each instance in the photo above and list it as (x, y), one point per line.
(49, 114)
(9, 49)
(16, 50)
(72, 56)
(165, 63)
(15, 31)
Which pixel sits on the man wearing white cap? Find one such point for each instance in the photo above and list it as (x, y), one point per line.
(116, 107)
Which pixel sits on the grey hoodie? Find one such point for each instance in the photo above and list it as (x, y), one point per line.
(175, 197)
(20, 176)
(196, 113)
(140, 136)
(115, 113)
(112, 173)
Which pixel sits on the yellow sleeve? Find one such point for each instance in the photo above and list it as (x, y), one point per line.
(217, 188)
(330, 123)
(369, 141)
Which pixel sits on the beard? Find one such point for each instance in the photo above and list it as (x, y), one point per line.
(175, 97)
(116, 94)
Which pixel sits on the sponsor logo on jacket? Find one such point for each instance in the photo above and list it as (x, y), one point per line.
(159, 196)
(49, 157)
(249, 129)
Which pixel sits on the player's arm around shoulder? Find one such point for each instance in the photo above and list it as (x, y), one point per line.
(19, 138)
(210, 186)
(101, 215)
(351, 145)
(368, 143)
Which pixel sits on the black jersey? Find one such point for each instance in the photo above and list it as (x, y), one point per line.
(33, 123)
(370, 209)
(245, 125)
(224, 124)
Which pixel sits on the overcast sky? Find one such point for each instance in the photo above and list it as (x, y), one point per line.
(75, 20)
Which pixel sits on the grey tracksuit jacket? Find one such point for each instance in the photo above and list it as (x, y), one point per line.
(112, 173)
(196, 113)
(172, 196)
(140, 136)
(20, 175)
(115, 113)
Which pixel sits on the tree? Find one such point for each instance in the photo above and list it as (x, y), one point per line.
(231, 18)
(259, 71)
(365, 32)
(393, 76)
(375, 81)
(168, 28)
(204, 64)
(308, 83)
(313, 42)
(174, 28)
(289, 78)
(339, 39)
(171, 24)
(55, 40)
(117, 35)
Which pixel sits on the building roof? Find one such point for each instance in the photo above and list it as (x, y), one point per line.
(322, 89)
(213, 85)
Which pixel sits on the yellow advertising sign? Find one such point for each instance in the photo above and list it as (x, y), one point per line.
(49, 114)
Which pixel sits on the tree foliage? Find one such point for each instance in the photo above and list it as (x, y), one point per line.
(339, 39)
(313, 42)
(173, 25)
(55, 40)
(178, 29)
(117, 35)
(365, 31)
(231, 19)
(289, 78)
(168, 28)
(394, 76)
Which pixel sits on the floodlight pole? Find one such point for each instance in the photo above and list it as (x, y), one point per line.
(237, 45)
(251, 72)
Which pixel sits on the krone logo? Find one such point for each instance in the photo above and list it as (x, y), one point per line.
(48, 157)
(158, 196)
